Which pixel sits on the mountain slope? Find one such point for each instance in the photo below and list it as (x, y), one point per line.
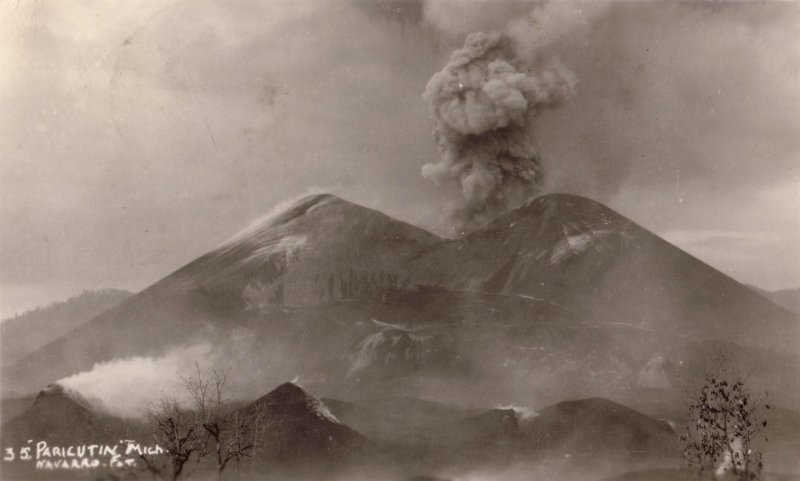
(319, 253)
(320, 250)
(575, 252)
(23, 334)
(561, 298)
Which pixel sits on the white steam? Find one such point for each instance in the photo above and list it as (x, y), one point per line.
(127, 387)
(523, 413)
(266, 219)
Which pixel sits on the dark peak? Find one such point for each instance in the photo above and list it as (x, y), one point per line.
(54, 389)
(291, 397)
(57, 394)
(318, 214)
(565, 203)
(303, 205)
(562, 198)
(554, 216)
(283, 213)
(287, 393)
(601, 407)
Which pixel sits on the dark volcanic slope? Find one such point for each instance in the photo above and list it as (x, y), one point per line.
(580, 254)
(297, 428)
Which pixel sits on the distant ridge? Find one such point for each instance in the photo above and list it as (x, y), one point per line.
(24, 333)
(789, 299)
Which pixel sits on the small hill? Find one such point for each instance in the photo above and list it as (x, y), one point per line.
(25, 333)
(495, 428)
(596, 427)
(396, 418)
(299, 430)
(62, 415)
(424, 434)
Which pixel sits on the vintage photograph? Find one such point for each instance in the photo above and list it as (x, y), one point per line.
(399, 240)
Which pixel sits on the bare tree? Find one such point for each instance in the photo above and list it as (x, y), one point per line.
(176, 431)
(724, 422)
(226, 431)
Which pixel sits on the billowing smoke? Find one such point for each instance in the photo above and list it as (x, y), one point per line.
(127, 387)
(483, 105)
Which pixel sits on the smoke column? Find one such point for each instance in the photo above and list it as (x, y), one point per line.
(483, 104)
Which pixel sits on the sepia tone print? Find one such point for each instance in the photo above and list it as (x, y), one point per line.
(399, 240)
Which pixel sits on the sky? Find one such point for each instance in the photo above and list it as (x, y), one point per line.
(138, 135)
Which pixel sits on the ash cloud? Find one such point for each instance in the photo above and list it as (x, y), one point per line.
(484, 102)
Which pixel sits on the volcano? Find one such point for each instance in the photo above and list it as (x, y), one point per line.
(562, 297)
(574, 252)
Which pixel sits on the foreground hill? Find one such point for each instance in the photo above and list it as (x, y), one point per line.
(587, 431)
(301, 437)
(561, 298)
(25, 333)
(298, 427)
(295, 433)
(59, 415)
(600, 428)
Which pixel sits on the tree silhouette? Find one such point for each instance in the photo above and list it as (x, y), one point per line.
(176, 432)
(725, 420)
(227, 434)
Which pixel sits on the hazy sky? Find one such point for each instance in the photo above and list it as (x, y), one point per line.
(137, 135)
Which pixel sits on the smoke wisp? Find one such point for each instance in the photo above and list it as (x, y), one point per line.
(483, 104)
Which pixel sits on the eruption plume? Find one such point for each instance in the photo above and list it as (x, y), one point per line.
(483, 104)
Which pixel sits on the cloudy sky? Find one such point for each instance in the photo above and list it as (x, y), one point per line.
(137, 135)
